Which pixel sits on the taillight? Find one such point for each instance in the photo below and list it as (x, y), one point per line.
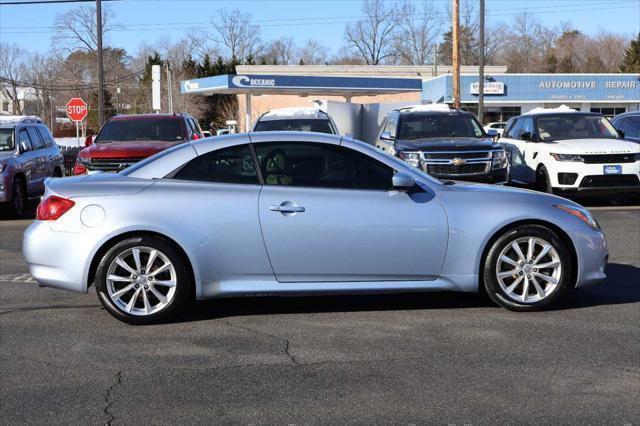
(51, 208)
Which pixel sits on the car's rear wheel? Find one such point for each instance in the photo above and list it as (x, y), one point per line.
(527, 268)
(143, 280)
(19, 199)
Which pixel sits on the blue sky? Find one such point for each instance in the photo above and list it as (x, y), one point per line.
(320, 19)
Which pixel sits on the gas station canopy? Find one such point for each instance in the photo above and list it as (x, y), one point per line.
(299, 85)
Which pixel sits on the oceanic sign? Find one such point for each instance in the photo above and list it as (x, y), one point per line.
(244, 81)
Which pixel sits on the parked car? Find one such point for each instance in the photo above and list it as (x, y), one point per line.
(302, 213)
(308, 119)
(629, 124)
(28, 155)
(571, 152)
(498, 126)
(446, 143)
(126, 139)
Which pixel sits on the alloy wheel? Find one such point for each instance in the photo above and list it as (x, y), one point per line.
(528, 269)
(141, 281)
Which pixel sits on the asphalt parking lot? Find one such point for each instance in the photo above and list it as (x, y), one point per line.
(428, 358)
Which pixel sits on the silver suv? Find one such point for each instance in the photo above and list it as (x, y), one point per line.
(28, 155)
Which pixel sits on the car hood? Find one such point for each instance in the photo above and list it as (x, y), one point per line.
(126, 149)
(591, 146)
(445, 144)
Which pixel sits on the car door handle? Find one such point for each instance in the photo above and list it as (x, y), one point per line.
(284, 208)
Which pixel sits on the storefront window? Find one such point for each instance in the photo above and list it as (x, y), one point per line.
(609, 112)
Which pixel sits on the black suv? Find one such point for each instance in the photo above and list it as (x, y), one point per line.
(445, 143)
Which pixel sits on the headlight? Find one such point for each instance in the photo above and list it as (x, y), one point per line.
(412, 158)
(581, 214)
(499, 160)
(566, 157)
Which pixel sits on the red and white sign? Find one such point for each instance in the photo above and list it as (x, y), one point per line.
(77, 109)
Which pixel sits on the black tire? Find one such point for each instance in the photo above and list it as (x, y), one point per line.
(544, 183)
(18, 198)
(490, 265)
(183, 286)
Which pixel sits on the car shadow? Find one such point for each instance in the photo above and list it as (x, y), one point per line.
(622, 286)
(30, 211)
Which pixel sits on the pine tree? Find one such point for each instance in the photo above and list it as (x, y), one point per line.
(631, 61)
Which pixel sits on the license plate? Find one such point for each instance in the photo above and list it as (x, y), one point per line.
(612, 170)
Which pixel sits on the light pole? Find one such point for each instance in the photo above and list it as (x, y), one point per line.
(100, 69)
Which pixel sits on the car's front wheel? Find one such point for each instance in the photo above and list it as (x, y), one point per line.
(143, 280)
(527, 268)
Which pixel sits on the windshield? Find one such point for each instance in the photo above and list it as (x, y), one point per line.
(6, 140)
(418, 126)
(296, 125)
(141, 130)
(578, 126)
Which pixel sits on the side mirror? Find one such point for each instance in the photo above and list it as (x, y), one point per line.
(88, 141)
(386, 136)
(403, 181)
(526, 136)
(493, 134)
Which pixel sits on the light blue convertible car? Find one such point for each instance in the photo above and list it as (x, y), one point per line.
(301, 213)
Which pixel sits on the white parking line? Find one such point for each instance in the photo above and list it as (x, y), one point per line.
(614, 208)
(17, 278)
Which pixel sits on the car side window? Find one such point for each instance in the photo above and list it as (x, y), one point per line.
(513, 127)
(46, 136)
(317, 165)
(23, 138)
(226, 165)
(194, 127)
(391, 125)
(36, 140)
(527, 126)
(631, 127)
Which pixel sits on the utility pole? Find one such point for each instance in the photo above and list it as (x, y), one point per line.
(435, 60)
(456, 53)
(481, 70)
(169, 87)
(100, 68)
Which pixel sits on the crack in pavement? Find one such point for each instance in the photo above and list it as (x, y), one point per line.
(287, 343)
(107, 398)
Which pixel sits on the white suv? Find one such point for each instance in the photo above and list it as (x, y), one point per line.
(567, 151)
(304, 119)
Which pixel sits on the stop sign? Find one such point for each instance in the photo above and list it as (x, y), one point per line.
(76, 109)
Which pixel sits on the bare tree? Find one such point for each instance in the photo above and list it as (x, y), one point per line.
(281, 51)
(416, 33)
(236, 32)
(372, 36)
(527, 44)
(76, 28)
(313, 53)
(13, 70)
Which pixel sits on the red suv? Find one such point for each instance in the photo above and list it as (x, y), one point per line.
(126, 139)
